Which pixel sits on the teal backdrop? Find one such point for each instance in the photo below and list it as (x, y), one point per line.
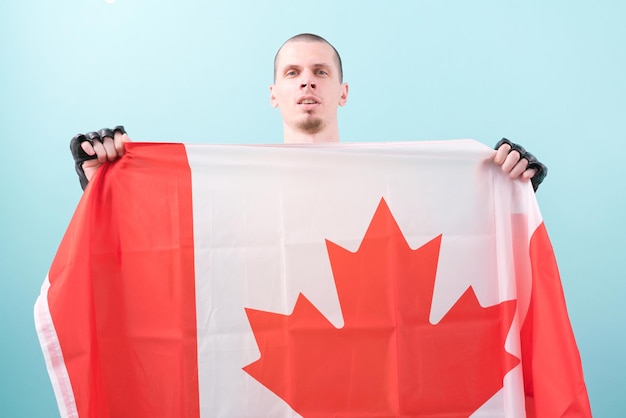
(548, 74)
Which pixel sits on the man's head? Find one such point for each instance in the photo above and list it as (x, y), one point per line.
(310, 37)
(308, 89)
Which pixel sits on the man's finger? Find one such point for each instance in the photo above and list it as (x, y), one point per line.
(519, 168)
(109, 148)
(119, 139)
(106, 137)
(529, 173)
(87, 147)
(100, 151)
(501, 154)
(511, 160)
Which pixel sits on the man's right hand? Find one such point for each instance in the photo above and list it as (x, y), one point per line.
(93, 149)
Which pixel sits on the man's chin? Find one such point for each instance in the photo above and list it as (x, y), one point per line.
(311, 125)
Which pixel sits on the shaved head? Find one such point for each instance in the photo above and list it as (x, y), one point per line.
(310, 37)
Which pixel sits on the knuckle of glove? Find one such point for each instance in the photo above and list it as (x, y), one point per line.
(105, 132)
(502, 142)
(78, 153)
(540, 175)
(93, 136)
(531, 159)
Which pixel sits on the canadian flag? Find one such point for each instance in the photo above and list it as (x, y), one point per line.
(348, 280)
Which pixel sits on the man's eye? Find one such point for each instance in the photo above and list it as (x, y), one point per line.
(322, 72)
(291, 73)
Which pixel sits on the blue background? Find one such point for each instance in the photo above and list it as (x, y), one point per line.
(547, 74)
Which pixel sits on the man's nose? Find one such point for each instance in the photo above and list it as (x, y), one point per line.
(307, 83)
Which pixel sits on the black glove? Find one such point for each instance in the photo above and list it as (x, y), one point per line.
(533, 162)
(80, 156)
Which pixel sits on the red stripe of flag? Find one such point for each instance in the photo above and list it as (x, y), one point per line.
(130, 288)
(553, 376)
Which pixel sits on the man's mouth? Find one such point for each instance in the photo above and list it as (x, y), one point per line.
(307, 101)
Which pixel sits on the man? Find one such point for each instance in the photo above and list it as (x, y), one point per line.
(308, 89)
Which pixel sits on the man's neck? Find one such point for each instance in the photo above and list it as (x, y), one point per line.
(291, 136)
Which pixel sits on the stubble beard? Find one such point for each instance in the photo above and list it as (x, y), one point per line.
(311, 125)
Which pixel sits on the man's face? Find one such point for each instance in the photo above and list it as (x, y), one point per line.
(307, 88)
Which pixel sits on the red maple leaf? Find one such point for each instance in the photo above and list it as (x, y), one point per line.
(388, 359)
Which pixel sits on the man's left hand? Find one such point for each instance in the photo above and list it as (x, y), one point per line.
(519, 163)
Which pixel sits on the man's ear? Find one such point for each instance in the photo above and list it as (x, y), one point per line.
(273, 100)
(343, 99)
